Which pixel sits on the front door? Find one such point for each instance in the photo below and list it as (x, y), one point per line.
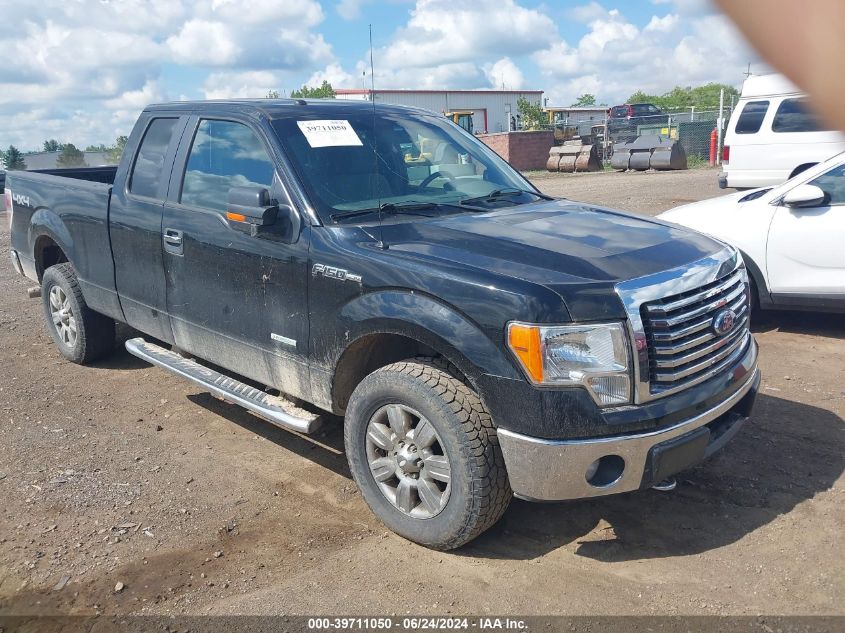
(236, 300)
(805, 253)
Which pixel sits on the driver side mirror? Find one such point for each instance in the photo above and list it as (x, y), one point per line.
(251, 210)
(805, 196)
(251, 205)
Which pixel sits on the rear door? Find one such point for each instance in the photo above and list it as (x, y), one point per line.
(805, 253)
(135, 223)
(236, 300)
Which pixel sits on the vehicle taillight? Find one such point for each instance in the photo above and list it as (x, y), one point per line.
(7, 205)
(726, 154)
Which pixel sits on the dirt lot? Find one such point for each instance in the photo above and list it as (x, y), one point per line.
(118, 473)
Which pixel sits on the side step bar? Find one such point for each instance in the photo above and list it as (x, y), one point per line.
(272, 408)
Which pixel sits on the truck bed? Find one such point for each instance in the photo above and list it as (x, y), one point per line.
(99, 175)
(68, 207)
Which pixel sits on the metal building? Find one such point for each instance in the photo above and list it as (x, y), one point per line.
(494, 110)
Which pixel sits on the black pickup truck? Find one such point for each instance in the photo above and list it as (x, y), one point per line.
(480, 339)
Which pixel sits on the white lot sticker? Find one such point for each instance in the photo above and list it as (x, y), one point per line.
(329, 133)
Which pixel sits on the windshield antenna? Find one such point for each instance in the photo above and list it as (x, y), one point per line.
(381, 243)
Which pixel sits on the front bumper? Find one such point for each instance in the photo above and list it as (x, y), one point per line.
(554, 470)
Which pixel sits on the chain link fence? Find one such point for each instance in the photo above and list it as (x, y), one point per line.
(691, 128)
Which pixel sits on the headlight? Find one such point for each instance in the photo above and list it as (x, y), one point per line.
(594, 356)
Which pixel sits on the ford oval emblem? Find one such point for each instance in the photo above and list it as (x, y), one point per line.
(724, 321)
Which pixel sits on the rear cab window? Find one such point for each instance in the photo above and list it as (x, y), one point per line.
(146, 177)
(793, 115)
(751, 118)
(224, 154)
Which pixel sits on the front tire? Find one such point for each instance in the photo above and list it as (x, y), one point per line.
(81, 334)
(424, 453)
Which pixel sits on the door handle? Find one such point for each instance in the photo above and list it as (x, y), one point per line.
(173, 241)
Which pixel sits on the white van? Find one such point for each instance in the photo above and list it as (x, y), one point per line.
(772, 136)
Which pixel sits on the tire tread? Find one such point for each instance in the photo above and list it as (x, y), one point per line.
(95, 330)
(490, 490)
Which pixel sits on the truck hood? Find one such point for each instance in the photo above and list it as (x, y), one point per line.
(577, 250)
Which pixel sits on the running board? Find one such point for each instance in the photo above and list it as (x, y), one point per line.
(274, 409)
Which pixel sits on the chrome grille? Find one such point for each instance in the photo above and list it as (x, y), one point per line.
(683, 346)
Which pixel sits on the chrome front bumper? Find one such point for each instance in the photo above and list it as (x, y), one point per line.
(556, 470)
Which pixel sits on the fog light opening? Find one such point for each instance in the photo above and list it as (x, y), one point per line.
(605, 471)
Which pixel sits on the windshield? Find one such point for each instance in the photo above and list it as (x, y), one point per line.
(398, 163)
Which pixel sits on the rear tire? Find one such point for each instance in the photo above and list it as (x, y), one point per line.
(425, 455)
(81, 334)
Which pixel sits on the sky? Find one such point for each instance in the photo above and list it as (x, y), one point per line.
(80, 71)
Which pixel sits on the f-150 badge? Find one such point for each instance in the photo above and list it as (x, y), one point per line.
(334, 273)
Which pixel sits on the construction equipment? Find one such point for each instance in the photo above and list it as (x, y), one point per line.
(648, 152)
(573, 156)
(462, 118)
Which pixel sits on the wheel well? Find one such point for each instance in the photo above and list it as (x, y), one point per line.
(366, 355)
(801, 168)
(47, 253)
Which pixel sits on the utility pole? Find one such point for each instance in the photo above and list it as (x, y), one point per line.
(721, 124)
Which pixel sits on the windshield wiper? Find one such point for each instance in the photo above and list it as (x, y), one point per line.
(505, 192)
(409, 207)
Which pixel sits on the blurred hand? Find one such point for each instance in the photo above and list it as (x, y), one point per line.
(804, 41)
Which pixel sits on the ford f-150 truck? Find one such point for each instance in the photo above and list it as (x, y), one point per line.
(479, 338)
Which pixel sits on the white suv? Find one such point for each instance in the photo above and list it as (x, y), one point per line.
(792, 237)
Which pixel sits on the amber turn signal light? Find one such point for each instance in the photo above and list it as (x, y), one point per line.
(236, 217)
(524, 341)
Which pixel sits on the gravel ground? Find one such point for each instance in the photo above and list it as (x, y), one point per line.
(118, 473)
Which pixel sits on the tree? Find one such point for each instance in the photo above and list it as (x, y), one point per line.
(102, 147)
(70, 156)
(52, 145)
(115, 152)
(273, 94)
(13, 158)
(704, 97)
(641, 97)
(531, 113)
(325, 91)
(584, 101)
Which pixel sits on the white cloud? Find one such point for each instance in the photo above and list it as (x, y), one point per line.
(454, 31)
(454, 44)
(665, 24)
(615, 58)
(349, 9)
(249, 84)
(104, 59)
(150, 92)
(335, 75)
(504, 73)
(586, 13)
(204, 43)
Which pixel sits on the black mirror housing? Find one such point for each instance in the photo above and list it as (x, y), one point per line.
(251, 205)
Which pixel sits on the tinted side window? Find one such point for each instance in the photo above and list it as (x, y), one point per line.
(793, 116)
(619, 111)
(224, 154)
(149, 163)
(751, 117)
(833, 184)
